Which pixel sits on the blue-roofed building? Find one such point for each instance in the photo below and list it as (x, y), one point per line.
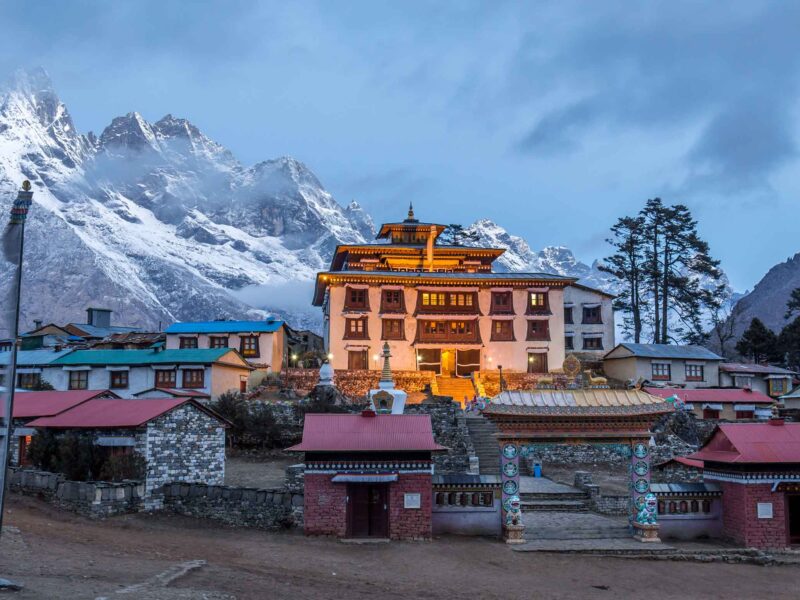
(664, 364)
(261, 343)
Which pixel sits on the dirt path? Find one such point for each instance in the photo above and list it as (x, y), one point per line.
(59, 555)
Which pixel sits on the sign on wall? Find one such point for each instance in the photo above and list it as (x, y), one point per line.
(412, 500)
(765, 510)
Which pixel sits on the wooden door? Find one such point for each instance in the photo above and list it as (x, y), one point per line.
(368, 514)
(793, 505)
(448, 362)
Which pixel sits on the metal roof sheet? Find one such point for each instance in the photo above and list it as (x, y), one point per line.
(29, 405)
(358, 433)
(577, 398)
(748, 369)
(753, 443)
(104, 414)
(268, 326)
(714, 395)
(144, 357)
(33, 358)
(450, 275)
(668, 351)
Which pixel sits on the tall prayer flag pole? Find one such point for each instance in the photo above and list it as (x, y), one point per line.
(13, 241)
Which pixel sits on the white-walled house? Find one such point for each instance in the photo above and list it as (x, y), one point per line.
(261, 343)
(588, 321)
(663, 364)
(128, 372)
(769, 380)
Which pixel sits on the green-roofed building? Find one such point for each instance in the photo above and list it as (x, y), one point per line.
(211, 371)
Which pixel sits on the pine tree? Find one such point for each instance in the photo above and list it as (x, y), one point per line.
(759, 343)
(626, 264)
(793, 304)
(789, 344)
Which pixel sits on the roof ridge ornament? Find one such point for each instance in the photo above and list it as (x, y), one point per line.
(411, 218)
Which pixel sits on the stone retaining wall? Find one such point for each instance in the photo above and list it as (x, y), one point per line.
(93, 499)
(240, 507)
(606, 505)
(449, 425)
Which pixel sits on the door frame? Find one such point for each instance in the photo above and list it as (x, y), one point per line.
(787, 503)
(350, 516)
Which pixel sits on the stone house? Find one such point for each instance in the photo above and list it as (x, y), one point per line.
(727, 404)
(180, 439)
(263, 344)
(29, 406)
(368, 475)
(757, 466)
(129, 372)
(663, 364)
(766, 379)
(588, 322)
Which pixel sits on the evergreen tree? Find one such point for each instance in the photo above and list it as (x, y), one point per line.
(789, 344)
(793, 304)
(759, 343)
(455, 235)
(626, 264)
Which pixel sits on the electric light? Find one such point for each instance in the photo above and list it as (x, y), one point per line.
(375, 356)
(330, 356)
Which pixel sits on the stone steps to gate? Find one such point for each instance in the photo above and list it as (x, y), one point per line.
(555, 505)
(481, 433)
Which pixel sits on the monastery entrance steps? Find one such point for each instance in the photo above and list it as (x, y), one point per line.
(487, 449)
(539, 494)
(457, 388)
(574, 526)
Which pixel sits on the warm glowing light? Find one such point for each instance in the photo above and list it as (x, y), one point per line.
(330, 356)
(530, 359)
(294, 356)
(376, 356)
(489, 359)
(419, 356)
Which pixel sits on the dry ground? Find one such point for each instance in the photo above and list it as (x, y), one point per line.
(60, 555)
(267, 472)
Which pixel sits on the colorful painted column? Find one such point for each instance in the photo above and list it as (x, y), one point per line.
(640, 476)
(509, 474)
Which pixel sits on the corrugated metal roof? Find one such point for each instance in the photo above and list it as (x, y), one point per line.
(29, 405)
(599, 397)
(765, 443)
(685, 488)
(747, 369)
(668, 351)
(716, 395)
(449, 275)
(143, 357)
(104, 414)
(357, 433)
(795, 393)
(268, 326)
(101, 332)
(175, 392)
(33, 358)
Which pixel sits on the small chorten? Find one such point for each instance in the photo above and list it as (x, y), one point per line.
(387, 399)
(325, 374)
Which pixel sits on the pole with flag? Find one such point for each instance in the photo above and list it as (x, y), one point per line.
(13, 241)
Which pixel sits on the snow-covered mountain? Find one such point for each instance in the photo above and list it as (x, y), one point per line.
(551, 259)
(155, 220)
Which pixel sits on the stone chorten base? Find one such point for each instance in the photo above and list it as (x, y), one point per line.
(645, 533)
(514, 534)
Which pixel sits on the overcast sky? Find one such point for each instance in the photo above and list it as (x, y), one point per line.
(551, 118)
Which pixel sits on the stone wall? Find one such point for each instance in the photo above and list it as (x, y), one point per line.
(93, 499)
(570, 454)
(354, 384)
(675, 472)
(450, 430)
(617, 504)
(240, 507)
(185, 444)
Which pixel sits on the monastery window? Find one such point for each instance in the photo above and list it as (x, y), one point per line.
(502, 331)
(538, 303)
(193, 378)
(591, 315)
(695, 373)
(29, 381)
(538, 330)
(392, 301)
(357, 360)
(568, 342)
(166, 378)
(777, 387)
(217, 342)
(249, 347)
(744, 414)
(79, 380)
(393, 329)
(568, 315)
(356, 299)
(461, 300)
(432, 299)
(661, 371)
(593, 343)
(433, 327)
(537, 362)
(188, 343)
(502, 303)
(461, 327)
(356, 329)
(710, 413)
(118, 380)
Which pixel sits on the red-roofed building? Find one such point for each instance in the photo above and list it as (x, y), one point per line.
(368, 475)
(727, 404)
(180, 439)
(32, 405)
(758, 467)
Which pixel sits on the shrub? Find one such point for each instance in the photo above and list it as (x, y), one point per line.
(123, 466)
(78, 457)
(253, 424)
(43, 450)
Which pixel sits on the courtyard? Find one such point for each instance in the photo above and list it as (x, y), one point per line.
(59, 555)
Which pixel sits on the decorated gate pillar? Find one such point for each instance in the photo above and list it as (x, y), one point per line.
(513, 526)
(643, 502)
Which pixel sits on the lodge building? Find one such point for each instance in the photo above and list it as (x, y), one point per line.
(441, 308)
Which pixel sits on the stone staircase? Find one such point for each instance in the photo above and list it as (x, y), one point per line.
(487, 449)
(457, 388)
(559, 502)
(575, 526)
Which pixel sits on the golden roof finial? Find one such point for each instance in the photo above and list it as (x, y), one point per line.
(410, 210)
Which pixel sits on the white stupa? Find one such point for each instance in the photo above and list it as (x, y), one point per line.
(387, 399)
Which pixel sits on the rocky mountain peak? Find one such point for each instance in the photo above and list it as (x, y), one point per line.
(361, 220)
(130, 132)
